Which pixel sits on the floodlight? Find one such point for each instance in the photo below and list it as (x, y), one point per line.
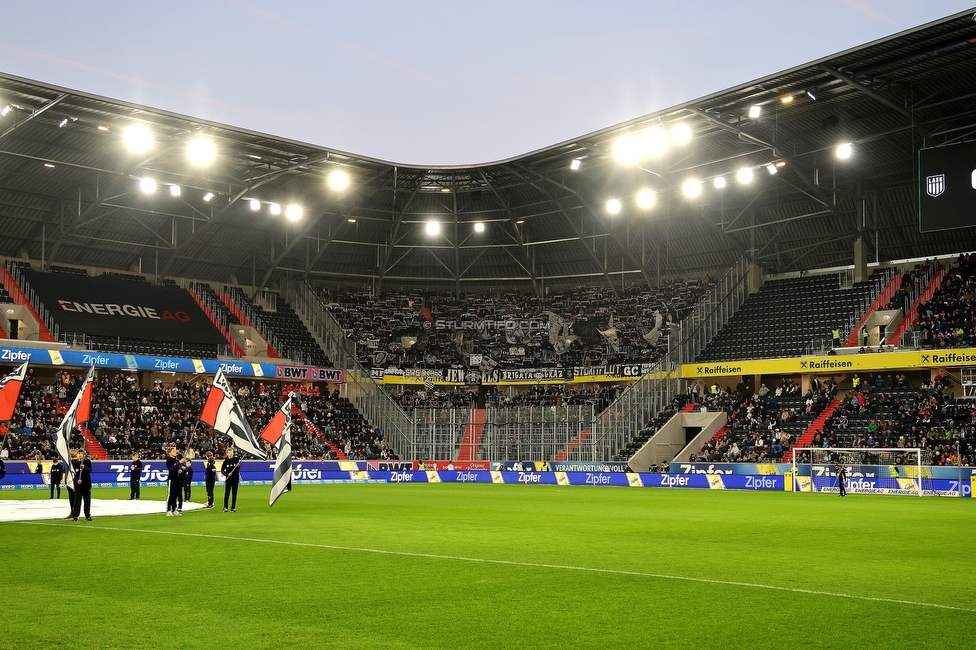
(208, 196)
(201, 151)
(6, 109)
(338, 180)
(627, 149)
(62, 123)
(974, 179)
(575, 165)
(845, 150)
(175, 190)
(432, 227)
(274, 209)
(654, 142)
(787, 99)
(137, 138)
(645, 198)
(771, 168)
(293, 213)
(755, 111)
(255, 205)
(147, 185)
(691, 188)
(102, 127)
(681, 134)
(479, 226)
(49, 165)
(744, 175)
(520, 222)
(351, 220)
(719, 182)
(811, 95)
(613, 206)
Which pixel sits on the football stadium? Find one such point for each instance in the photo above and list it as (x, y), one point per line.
(700, 378)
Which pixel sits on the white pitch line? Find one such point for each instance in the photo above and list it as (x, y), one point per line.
(564, 567)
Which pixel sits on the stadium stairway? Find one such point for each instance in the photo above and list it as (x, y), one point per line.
(244, 320)
(912, 316)
(816, 425)
(297, 412)
(93, 446)
(471, 443)
(236, 349)
(886, 295)
(573, 445)
(17, 294)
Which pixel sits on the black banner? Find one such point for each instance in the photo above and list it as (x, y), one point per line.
(947, 187)
(537, 374)
(111, 306)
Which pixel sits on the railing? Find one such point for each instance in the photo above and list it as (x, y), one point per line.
(537, 433)
(34, 299)
(712, 313)
(368, 396)
(437, 433)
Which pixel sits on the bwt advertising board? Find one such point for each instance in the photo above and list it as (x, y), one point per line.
(947, 187)
(111, 306)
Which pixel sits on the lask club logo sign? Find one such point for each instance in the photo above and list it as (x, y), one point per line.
(935, 185)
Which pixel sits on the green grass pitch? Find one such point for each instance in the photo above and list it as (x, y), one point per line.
(498, 566)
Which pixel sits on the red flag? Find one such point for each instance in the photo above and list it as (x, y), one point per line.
(10, 391)
(275, 428)
(84, 406)
(212, 405)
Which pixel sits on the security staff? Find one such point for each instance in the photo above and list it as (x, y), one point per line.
(57, 477)
(211, 477)
(175, 471)
(835, 334)
(231, 469)
(135, 477)
(865, 335)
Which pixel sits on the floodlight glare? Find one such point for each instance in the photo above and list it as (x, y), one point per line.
(255, 205)
(351, 220)
(201, 151)
(627, 150)
(719, 182)
(691, 188)
(755, 111)
(147, 185)
(681, 134)
(6, 109)
(744, 175)
(338, 180)
(654, 142)
(293, 213)
(62, 123)
(102, 127)
(787, 99)
(479, 227)
(175, 190)
(432, 227)
(613, 206)
(811, 95)
(137, 138)
(771, 168)
(575, 165)
(845, 150)
(645, 199)
(208, 196)
(274, 209)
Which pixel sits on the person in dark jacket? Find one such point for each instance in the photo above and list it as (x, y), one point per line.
(83, 487)
(210, 466)
(175, 469)
(187, 479)
(74, 456)
(135, 477)
(57, 477)
(231, 469)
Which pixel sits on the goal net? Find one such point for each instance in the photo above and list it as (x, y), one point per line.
(869, 471)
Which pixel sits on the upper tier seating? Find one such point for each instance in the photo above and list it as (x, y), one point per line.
(283, 328)
(785, 316)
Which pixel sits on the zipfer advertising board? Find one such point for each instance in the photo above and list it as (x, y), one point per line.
(75, 359)
(112, 306)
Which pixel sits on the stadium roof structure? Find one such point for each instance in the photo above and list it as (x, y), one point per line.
(70, 191)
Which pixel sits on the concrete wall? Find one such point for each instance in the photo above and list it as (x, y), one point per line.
(668, 443)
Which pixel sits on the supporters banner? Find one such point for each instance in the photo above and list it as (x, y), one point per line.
(112, 306)
(535, 374)
(309, 373)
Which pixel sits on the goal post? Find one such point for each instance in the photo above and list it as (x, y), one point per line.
(878, 470)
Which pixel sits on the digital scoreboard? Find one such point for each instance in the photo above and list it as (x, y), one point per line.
(947, 187)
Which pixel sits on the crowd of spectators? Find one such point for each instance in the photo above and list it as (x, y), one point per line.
(588, 326)
(127, 418)
(556, 395)
(947, 320)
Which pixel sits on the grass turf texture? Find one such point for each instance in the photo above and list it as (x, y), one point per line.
(81, 584)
